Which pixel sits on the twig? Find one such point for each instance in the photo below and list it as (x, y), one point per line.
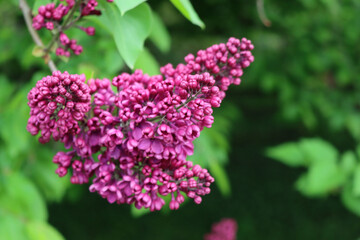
(35, 36)
(261, 12)
(63, 26)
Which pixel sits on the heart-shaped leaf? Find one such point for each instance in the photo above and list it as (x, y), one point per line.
(126, 5)
(129, 30)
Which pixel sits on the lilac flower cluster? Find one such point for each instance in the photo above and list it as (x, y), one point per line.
(226, 229)
(59, 18)
(57, 103)
(140, 127)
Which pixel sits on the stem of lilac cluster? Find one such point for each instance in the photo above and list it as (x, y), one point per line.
(35, 36)
(162, 117)
(63, 26)
(261, 11)
(188, 100)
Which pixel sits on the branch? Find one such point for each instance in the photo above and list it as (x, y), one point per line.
(261, 12)
(35, 36)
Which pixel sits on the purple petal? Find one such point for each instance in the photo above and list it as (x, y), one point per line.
(157, 147)
(111, 197)
(94, 139)
(144, 144)
(137, 134)
(189, 148)
(115, 153)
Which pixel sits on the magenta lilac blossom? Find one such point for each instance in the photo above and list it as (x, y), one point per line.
(141, 128)
(60, 17)
(226, 229)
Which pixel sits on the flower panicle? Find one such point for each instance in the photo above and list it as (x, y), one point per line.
(143, 131)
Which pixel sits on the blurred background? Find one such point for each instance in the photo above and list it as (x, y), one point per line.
(284, 148)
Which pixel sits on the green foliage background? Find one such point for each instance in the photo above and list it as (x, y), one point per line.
(298, 104)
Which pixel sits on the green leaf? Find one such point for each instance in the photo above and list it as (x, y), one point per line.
(126, 5)
(208, 154)
(39, 3)
(317, 150)
(321, 179)
(42, 172)
(13, 125)
(88, 69)
(159, 34)
(22, 198)
(129, 31)
(222, 180)
(356, 184)
(353, 124)
(357, 151)
(287, 153)
(11, 227)
(42, 231)
(351, 201)
(186, 9)
(138, 212)
(348, 162)
(147, 63)
(6, 89)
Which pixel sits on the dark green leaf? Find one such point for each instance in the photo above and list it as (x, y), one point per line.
(222, 180)
(138, 212)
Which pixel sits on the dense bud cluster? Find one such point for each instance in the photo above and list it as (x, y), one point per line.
(59, 18)
(226, 229)
(140, 127)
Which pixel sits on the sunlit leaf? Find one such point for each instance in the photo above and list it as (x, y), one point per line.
(321, 179)
(22, 198)
(126, 5)
(351, 201)
(13, 125)
(11, 227)
(37, 230)
(42, 172)
(186, 9)
(356, 184)
(6, 89)
(348, 162)
(147, 63)
(287, 153)
(39, 3)
(318, 150)
(129, 31)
